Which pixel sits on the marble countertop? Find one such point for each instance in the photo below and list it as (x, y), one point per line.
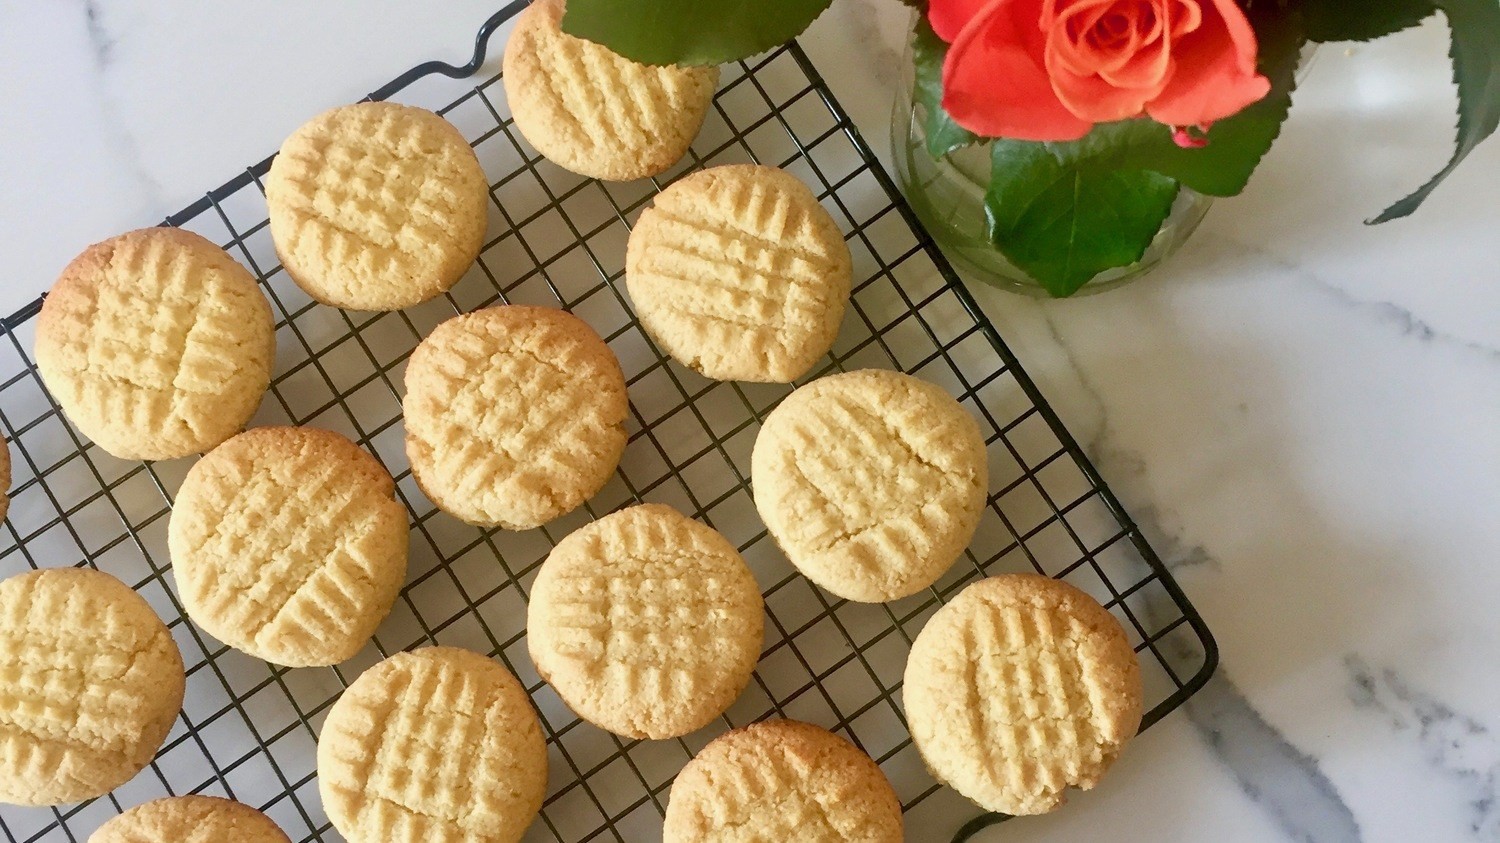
(1303, 412)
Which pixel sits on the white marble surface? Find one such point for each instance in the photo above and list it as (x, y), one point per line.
(1301, 410)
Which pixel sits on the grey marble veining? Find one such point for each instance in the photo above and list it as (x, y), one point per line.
(1285, 781)
(1462, 751)
(100, 40)
(122, 142)
(1389, 313)
(1405, 321)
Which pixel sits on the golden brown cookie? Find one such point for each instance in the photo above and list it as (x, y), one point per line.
(1020, 688)
(156, 344)
(190, 819)
(738, 273)
(435, 746)
(377, 206)
(646, 623)
(90, 682)
(514, 415)
(288, 544)
(872, 482)
(596, 113)
(782, 781)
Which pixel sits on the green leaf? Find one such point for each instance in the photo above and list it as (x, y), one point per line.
(1064, 224)
(1476, 70)
(690, 31)
(928, 53)
(1342, 20)
(1236, 144)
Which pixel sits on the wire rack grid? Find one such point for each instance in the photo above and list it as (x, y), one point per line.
(248, 730)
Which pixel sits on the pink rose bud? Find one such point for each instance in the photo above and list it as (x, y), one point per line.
(1190, 137)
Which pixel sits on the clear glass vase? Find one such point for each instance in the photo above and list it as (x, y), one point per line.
(948, 195)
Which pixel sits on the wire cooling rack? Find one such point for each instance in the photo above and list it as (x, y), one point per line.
(248, 730)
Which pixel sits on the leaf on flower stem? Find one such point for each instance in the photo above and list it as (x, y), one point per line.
(1064, 224)
(1476, 70)
(690, 31)
(1341, 20)
(928, 52)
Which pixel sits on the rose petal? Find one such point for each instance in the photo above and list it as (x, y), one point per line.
(1102, 85)
(1065, 30)
(994, 83)
(949, 17)
(1187, 16)
(1049, 14)
(1215, 73)
(1095, 100)
(1162, 10)
(1146, 71)
(1146, 63)
(1139, 60)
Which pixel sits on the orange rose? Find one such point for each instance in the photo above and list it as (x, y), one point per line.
(1048, 70)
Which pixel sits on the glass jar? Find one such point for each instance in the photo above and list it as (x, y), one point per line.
(948, 195)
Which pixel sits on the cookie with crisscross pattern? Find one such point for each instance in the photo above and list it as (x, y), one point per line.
(156, 344)
(439, 745)
(872, 482)
(785, 781)
(515, 415)
(1021, 687)
(738, 273)
(647, 623)
(288, 544)
(90, 682)
(377, 206)
(190, 819)
(596, 113)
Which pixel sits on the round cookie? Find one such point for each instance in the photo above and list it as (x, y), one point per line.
(1019, 688)
(190, 819)
(596, 113)
(782, 780)
(738, 273)
(872, 482)
(435, 746)
(156, 344)
(288, 544)
(515, 415)
(377, 206)
(646, 623)
(92, 683)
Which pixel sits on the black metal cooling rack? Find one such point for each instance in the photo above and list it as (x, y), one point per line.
(248, 730)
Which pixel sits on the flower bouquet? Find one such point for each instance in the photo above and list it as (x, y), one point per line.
(1093, 119)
